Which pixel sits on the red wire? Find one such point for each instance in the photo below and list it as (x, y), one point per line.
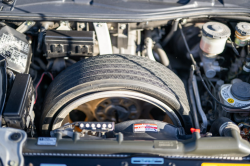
(41, 81)
(38, 85)
(51, 76)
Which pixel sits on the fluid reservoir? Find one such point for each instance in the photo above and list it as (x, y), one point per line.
(242, 33)
(236, 94)
(214, 37)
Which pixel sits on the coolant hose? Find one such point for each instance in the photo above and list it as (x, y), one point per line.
(224, 127)
(41, 63)
(162, 54)
(40, 39)
(171, 33)
(149, 45)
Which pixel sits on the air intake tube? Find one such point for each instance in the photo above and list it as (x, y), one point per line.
(224, 127)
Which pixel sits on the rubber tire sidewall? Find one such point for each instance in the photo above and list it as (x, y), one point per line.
(52, 108)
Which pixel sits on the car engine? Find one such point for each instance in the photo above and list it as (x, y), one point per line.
(161, 80)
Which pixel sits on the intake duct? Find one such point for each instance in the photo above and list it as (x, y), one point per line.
(224, 127)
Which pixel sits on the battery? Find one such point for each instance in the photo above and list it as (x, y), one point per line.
(15, 47)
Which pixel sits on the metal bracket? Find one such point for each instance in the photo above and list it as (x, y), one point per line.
(94, 127)
(103, 37)
(25, 26)
(11, 144)
(122, 35)
(64, 26)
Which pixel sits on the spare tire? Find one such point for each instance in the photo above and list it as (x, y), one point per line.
(97, 75)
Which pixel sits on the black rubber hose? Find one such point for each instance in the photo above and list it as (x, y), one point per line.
(192, 100)
(199, 107)
(162, 54)
(41, 63)
(171, 33)
(40, 39)
(214, 93)
(223, 127)
(35, 67)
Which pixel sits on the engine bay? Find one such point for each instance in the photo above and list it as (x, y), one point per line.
(163, 80)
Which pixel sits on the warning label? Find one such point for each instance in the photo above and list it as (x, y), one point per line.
(145, 127)
(15, 50)
(46, 141)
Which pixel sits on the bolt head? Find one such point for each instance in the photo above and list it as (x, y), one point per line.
(15, 136)
(82, 26)
(11, 163)
(123, 26)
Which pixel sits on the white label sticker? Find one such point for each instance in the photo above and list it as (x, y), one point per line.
(11, 47)
(144, 127)
(147, 160)
(46, 141)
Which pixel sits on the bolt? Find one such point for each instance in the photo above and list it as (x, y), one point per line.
(82, 26)
(171, 164)
(15, 136)
(28, 23)
(12, 163)
(124, 163)
(123, 26)
(98, 25)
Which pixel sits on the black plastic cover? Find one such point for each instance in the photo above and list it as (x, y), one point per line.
(216, 30)
(69, 43)
(19, 101)
(243, 28)
(241, 90)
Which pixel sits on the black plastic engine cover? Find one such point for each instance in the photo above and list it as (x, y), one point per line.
(163, 130)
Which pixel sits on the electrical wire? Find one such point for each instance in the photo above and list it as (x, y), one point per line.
(208, 82)
(234, 49)
(51, 75)
(37, 85)
(39, 82)
(199, 74)
(187, 47)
